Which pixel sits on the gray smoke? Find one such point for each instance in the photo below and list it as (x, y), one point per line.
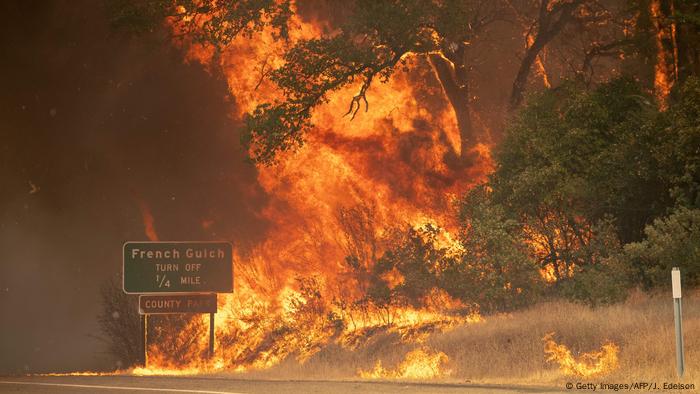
(94, 123)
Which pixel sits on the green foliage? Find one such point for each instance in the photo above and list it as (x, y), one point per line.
(681, 153)
(575, 154)
(221, 20)
(578, 171)
(607, 279)
(495, 270)
(581, 170)
(579, 174)
(316, 67)
(672, 241)
(368, 46)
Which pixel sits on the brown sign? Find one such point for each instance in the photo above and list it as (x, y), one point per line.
(182, 303)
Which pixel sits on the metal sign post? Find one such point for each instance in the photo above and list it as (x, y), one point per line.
(144, 339)
(211, 335)
(677, 315)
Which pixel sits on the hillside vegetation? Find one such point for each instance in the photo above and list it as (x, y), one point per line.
(509, 348)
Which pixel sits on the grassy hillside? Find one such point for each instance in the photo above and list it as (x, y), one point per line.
(509, 348)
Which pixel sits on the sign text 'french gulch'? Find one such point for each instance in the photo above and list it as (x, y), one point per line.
(178, 267)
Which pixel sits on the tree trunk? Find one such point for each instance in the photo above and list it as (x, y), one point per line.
(453, 76)
(516, 96)
(550, 22)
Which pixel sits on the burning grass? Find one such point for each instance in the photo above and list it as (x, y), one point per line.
(594, 363)
(422, 363)
(636, 336)
(508, 348)
(503, 349)
(254, 335)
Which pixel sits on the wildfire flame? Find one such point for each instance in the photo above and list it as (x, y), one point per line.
(421, 363)
(294, 294)
(148, 222)
(592, 363)
(662, 73)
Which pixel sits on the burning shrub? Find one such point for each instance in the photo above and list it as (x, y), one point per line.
(406, 273)
(175, 340)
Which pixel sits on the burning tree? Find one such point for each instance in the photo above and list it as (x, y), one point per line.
(368, 44)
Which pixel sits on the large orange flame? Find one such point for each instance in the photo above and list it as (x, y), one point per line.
(389, 160)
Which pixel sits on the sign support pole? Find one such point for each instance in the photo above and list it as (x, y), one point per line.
(211, 335)
(144, 331)
(677, 317)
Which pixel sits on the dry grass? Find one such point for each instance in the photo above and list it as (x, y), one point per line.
(509, 348)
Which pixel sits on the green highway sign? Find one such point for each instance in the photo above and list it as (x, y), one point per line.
(178, 267)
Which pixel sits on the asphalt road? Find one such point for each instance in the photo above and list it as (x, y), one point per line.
(218, 385)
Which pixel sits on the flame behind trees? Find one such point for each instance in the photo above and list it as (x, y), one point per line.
(377, 39)
(671, 31)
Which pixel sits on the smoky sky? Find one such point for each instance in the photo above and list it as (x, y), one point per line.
(95, 123)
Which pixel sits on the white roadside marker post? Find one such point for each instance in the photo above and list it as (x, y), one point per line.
(677, 309)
